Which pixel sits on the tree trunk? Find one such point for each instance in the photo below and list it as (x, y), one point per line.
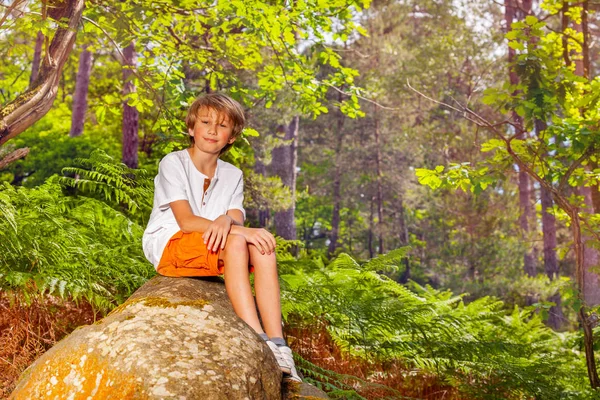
(284, 165)
(371, 228)
(37, 56)
(556, 316)
(130, 114)
(586, 257)
(337, 182)
(591, 256)
(526, 209)
(379, 183)
(33, 104)
(82, 85)
(591, 259)
(404, 241)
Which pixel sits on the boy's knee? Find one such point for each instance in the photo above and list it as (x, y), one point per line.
(236, 243)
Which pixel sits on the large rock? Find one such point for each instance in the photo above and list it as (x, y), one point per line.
(173, 339)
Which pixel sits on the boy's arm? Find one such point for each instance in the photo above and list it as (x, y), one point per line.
(187, 221)
(237, 216)
(214, 232)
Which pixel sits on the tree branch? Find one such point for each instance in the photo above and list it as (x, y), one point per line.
(14, 156)
(33, 104)
(9, 9)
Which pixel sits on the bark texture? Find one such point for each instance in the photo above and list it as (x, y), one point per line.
(82, 85)
(404, 240)
(337, 183)
(33, 104)
(379, 178)
(591, 259)
(130, 114)
(13, 156)
(555, 316)
(284, 165)
(591, 256)
(174, 338)
(37, 56)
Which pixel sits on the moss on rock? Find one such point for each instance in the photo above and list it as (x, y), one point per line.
(173, 339)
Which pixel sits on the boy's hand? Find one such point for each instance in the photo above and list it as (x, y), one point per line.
(261, 238)
(215, 236)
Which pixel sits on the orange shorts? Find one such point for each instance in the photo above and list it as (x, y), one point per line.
(186, 255)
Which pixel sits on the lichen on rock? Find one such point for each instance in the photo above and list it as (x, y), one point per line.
(173, 339)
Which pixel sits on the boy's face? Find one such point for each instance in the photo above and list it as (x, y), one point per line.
(212, 131)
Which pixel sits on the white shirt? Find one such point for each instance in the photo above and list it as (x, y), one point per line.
(179, 179)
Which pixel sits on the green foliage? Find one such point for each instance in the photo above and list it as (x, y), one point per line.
(555, 102)
(51, 148)
(73, 246)
(125, 189)
(478, 347)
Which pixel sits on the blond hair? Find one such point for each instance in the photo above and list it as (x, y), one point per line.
(223, 105)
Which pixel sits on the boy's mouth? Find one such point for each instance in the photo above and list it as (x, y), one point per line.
(209, 140)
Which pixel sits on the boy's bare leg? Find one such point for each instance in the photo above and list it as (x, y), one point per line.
(237, 283)
(266, 287)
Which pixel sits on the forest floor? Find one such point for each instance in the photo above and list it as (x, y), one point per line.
(29, 328)
(370, 378)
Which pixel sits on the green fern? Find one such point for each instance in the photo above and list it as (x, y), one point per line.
(83, 246)
(479, 347)
(118, 185)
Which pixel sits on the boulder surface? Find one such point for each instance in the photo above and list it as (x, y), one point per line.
(174, 338)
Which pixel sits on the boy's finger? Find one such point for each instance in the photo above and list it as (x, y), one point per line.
(217, 242)
(224, 241)
(211, 240)
(272, 242)
(206, 235)
(268, 242)
(262, 245)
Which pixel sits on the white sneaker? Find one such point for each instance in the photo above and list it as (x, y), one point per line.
(286, 353)
(284, 366)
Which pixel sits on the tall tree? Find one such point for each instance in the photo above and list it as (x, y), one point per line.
(513, 13)
(591, 279)
(337, 182)
(284, 165)
(131, 115)
(80, 97)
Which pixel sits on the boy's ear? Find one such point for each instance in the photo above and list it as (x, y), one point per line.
(231, 140)
(191, 132)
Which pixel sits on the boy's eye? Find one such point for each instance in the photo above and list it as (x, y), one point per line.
(223, 126)
(204, 122)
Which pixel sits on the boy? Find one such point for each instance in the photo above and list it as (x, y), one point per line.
(197, 223)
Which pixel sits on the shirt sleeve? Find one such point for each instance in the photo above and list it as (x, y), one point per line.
(169, 184)
(237, 200)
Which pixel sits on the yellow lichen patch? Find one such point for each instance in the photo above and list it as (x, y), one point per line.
(152, 301)
(78, 376)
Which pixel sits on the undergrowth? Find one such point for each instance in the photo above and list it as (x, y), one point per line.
(79, 238)
(480, 348)
(82, 243)
(29, 327)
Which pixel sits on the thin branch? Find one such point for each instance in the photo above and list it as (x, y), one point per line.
(338, 50)
(182, 42)
(13, 156)
(565, 178)
(362, 98)
(571, 210)
(573, 38)
(9, 10)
